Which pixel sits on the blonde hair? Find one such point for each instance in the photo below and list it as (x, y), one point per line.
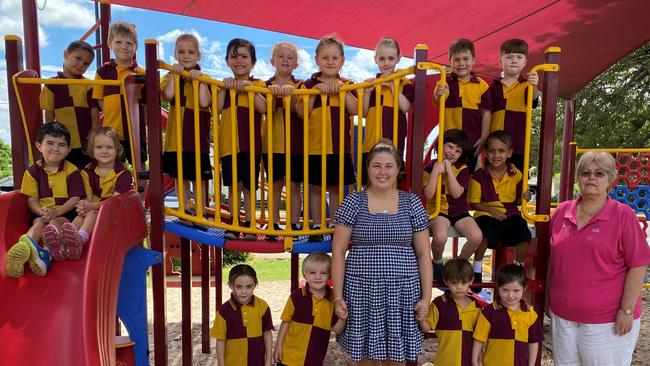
(190, 38)
(316, 259)
(123, 28)
(603, 160)
(330, 40)
(389, 42)
(288, 45)
(106, 131)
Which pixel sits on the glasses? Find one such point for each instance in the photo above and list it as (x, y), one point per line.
(588, 174)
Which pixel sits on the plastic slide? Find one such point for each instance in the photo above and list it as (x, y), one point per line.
(68, 317)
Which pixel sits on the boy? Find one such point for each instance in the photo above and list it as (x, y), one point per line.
(468, 102)
(308, 317)
(453, 315)
(509, 94)
(123, 42)
(53, 187)
(495, 193)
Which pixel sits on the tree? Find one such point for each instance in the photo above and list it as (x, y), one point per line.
(5, 160)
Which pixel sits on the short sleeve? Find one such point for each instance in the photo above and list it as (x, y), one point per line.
(124, 182)
(474, 194)
(29, 186)
(408, 90)
(287, 313)
(98, 90)
(482, 329)
(463, 177)
(419, 217)
(486, 98)
(163, 81)
(535, 331)
(86, 180)
(219, 328)
(636, 250)
(75, 185)
(47, 99)
(433, 316)
(346, 215)
(267, 321)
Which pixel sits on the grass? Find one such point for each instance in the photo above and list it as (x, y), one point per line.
(268, 269)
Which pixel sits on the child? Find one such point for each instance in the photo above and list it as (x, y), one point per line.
(453, 201)
(509, 93)
(387, 56)
(308, 317)
(73, 105)
(240, 56)
(468, 102)
(330, 59)
(243, 326)
(495, 193)
(123, 42)
(187, 53)
(53, 187)
(284, 58)
(105, 177)
(510, 328)
(453, 315)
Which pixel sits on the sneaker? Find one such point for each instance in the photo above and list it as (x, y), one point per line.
(17, 256)
(437, 272)
(71, 241)
(52, 241)
(39, 260)
(276, 226)
(231, 235)
(478, 278)
(248, 236)
(316, 237)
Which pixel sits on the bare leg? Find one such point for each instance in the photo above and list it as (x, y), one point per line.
(334, 200)
(520, 251)
(440, 226)
(315, 203)
(277, 199)
(468, 228)
(36, 230)
(296, 202)
(88, 222)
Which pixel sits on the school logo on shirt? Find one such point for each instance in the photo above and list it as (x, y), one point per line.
(595, 229)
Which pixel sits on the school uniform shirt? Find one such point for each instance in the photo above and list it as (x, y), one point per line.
(278, 143)
(607, 247)
(114, 109)
(464, 104)
(240, 124)
(454, 327)
(71, 105)
(242, 327)
(311, 321)
(52, 189)
(100, 188)
(383, 128)
(448, 204)
(329, 136)
(501, 194)
(508, 333)
(186, 119)
(509, 110)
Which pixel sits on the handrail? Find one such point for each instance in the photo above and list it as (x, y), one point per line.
(583, 150)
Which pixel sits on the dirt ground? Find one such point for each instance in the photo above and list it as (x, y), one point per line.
(275, 293)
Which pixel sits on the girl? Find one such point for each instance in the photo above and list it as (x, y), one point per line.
(330, 59)
(105, 177)
(284, 58)
(243, 326)
(453, 200)
(240, 56)
(387, 56)
(73, 105)
(187, 53)
(507, 323)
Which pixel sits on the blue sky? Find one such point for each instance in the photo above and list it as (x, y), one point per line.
(62, 21)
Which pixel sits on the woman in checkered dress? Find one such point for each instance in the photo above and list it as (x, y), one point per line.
(384, 285)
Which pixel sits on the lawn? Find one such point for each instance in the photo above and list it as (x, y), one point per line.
(268, 269)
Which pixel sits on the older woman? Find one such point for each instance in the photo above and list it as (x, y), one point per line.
(385, 282)
(598, 259)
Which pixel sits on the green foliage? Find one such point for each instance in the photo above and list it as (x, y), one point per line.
(230, 257)
(5, 160)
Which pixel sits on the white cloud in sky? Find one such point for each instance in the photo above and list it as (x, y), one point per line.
(11, 22)
(4, 103)
(67, 14)
(263, 70)
(306, 63)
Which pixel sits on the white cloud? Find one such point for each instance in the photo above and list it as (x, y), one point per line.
(263, 70)
(4, 104)
(306, 64)
(67, 14)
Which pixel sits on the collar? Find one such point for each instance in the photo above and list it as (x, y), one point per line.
(520, 79)
(235, 305)
(317, 77)
(272, 80)
(117, 167)
(446, 297)
(604, 213)
(112, 63)
(499, 307)
(473, 78)
(306, 291)
(41, 164)
(61, 76)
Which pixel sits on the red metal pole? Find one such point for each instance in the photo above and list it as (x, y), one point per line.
(295, 262)
(14, 58)
(416, 137)
(186, 301)
(157, 237)
(105, 18)
(205, 298)
(571, 171)
(566, 180)
(30, 27)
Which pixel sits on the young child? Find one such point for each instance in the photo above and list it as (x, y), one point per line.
(73, 105)
(453, 315)
(241, 58)
(495, 192)
(284, 58)
(187, 53)
(509, 93)
(243, 326)
(53, 187)
(329, 58)
(453, 201)
(468, 102)
(105, 177)
(123, 42)
(308, 317)
(387, 56)
(510, 328)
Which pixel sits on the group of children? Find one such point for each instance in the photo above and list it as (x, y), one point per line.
(470, 332)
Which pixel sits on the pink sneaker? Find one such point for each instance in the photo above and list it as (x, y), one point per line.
(72, 241)
(52, 241)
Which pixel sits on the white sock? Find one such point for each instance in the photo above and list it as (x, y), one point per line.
(517, 263)
(478, 266)
(84, 236)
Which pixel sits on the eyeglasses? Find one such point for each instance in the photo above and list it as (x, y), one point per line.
(596, 174)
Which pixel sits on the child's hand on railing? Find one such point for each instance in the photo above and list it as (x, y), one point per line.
(281, 90)
(177, 68)
(232, 83)
(195, 74)
(441, 89)
(527, 195)
(439, 168)
(532, 78)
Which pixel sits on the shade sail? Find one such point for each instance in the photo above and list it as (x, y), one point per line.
(593, 34)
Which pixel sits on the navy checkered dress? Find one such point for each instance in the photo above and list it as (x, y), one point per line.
(382, 282)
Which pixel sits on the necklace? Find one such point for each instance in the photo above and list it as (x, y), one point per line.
(591, 213)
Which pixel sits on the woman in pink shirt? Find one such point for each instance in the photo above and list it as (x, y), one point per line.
(598, 260)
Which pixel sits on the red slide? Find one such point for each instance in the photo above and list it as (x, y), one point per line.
(68, 317)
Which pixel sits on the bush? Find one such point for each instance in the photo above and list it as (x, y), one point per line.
(231, 257)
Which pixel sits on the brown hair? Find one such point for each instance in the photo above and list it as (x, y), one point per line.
(457, 270)
(383, 146)
(106, 131)
(511, 273)
(241, 270)
(124, 28)
(330, 40)
(500, 135)
(81, 45)
(514, 45)
(460, 45)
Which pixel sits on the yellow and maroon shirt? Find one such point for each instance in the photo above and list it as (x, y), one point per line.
(448, 204)
(52, 189)
(100, 188)
(279, 124)
(504, 194)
